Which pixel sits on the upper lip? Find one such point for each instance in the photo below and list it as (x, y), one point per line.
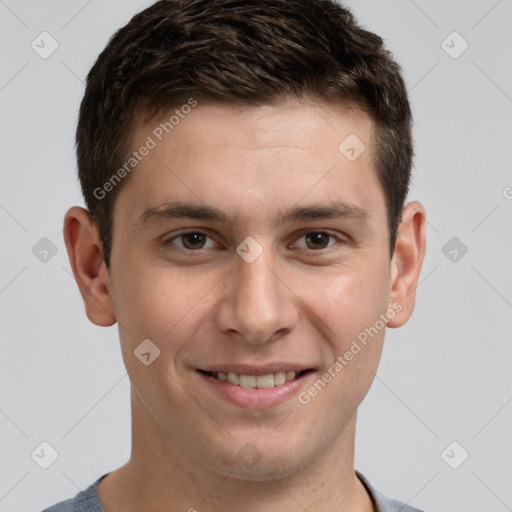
(254, 369)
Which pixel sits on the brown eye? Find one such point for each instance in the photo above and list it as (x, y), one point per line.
(317, 240)
(191, 241)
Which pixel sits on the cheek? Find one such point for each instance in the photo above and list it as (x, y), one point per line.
(167, 306)
(349, 307)
(347, 300)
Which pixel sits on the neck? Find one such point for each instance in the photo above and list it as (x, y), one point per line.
(160, 475)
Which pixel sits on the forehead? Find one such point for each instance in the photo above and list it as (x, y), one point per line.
(253, 159)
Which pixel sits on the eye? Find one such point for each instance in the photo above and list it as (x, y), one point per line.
(317, 240)
(191, 241)
(195, 241)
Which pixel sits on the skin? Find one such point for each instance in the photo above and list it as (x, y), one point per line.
(301, 301)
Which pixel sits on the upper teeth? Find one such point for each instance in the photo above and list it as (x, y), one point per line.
(260, 381)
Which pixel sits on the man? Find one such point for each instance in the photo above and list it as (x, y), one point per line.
(245, 166)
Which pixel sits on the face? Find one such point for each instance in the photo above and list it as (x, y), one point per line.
(248, 246)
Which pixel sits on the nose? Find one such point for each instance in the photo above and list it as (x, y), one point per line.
(257, 306)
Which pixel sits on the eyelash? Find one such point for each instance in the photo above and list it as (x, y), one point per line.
(169, 241)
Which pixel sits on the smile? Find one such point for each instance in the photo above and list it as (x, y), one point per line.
(256, 381)
(261, 391)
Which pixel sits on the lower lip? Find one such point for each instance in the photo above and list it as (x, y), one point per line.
(256, 398)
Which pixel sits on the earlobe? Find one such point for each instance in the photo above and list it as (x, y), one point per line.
(407, 261)
(86, 258)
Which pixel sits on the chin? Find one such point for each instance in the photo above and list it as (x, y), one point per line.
(249, 463)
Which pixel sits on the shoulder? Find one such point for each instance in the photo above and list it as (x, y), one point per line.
(381, 502)
(85, 501)
(63, 506)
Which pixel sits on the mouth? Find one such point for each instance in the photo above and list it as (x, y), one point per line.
(255, 388)
(267, 381)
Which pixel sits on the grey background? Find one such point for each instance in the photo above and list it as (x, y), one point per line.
(444, 377)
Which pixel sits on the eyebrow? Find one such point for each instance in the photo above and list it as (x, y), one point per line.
(179, 209)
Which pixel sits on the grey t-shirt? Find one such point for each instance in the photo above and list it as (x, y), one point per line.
(89, 500)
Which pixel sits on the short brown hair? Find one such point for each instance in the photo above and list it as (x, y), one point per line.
(249, 52)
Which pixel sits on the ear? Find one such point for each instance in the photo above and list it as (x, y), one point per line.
(406, 262)
(86, 258)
